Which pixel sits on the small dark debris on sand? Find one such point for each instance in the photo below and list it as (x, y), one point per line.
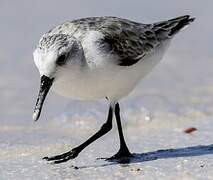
(190, 130)
(136, 169)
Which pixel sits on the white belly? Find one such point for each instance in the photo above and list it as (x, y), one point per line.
(111, 81)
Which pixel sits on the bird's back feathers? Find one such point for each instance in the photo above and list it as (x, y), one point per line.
(128, 40)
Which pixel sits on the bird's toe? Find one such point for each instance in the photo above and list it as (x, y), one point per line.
(62, 157)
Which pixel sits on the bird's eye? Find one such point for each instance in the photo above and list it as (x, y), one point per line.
(61, 60)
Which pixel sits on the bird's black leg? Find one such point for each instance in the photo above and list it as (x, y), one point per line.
(123, 151)
(106, 127)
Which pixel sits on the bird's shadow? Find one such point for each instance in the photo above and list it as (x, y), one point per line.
(160, 154)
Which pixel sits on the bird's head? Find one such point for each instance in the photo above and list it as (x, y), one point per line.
(55, 54)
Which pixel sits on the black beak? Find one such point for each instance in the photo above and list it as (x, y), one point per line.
(45, 85)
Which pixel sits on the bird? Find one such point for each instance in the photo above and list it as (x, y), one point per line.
(100, 58)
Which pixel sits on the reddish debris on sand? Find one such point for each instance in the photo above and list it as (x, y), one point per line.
(190, 130)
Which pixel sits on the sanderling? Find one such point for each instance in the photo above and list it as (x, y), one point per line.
(100, 57)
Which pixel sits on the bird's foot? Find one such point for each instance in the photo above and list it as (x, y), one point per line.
(122, 156)
(63, 157)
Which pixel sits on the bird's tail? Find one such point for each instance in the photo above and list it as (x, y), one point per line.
(172, 26)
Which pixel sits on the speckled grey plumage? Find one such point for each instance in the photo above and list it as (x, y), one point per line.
(129, 40)
(48, 41)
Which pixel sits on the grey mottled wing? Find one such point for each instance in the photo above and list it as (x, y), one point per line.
(129, 41)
